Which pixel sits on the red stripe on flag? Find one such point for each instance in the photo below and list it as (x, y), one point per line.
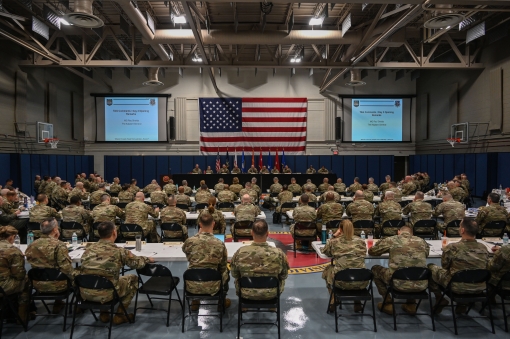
(264, 149)
(252, 139)
(261, 119)
(274, 99)
(274, 129)
(275, 109)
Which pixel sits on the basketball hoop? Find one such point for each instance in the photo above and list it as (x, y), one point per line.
(52, 141)
(452, 141)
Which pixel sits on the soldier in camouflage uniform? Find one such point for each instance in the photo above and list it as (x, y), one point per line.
(259, 260)
(323, 170)
(49, 252)
(347, 251)
(464, 181)
(360, 209)
(310, 170)
(330, 210)
(494, 212)
(255, 187)
(419, 210)
(12, 269)
(372, 186)
(187, 190)
(311, 197)
(264, 170)
(356, 186)
(10, 216)
(224, 170)
(369, 195)
(397, 193)
(252, 170)
(310, 185)
(60, 196)
(196, 170)
(104, 258)
(95, 197)
(151, 187)
(294, 187)
(170, 188)
(203, 195)
(283, 197)
(37, 183)
(499, 265)
(324, 186)
(248, 190)
(227, 195)
(235, 170)
(457, 193)
(451, 210)
(75, 212)
(304, 213)
(48, 189)
(174, 215)
(44, 183)
(339, 186)
(41, 211)
(158, 197)
(405, 250)
(115, 188)
(133, 188)
(126, 196)
(463, 255)
(206, 251)
(331, 189)
(137, 213)
(408, 187)
(209, 170)
(386, 185)
(236, 187)
(219, 186)
(92, 184)
(245, 211)
(182, 198)
(287, 170)
(79, 191)
(276, 187)
(388, 210)
(219, 219)
(106, 212)
(275, 171)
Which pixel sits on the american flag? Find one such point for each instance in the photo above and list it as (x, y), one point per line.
(264, 123)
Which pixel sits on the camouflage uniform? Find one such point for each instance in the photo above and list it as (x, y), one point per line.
(345, 254)
(310, 171)
(252, 170)
(158, 197)
(172, 214)
(150, 188)
(37, 183)
(373, 188)
(323, 187)
(242, 212)
(312, 187)
(388, 210)
(40, 212)
(287, 171)
(330, 211)
(219, 187)
(499, 265)
(408, 188)
(323, 171)
(48, 189)
(137, 213)
(226, 196)
(457, 194)
(12, 271)
(405, 250)
(93, 187)
(78, 192)
(181, 198)
(369, 195)
(47, 252)
(256, 188)
(60, 197)
(451, 210)
(7, 217)
(224, 171)
(360, 210)
(252, 193)
(126, 196)
(397, 194)
(459, 256)
(196, 171)
(304, 213)
(115, 188)
(187, 190)
(104, 258)
(235, 170)
(236, 188)
(202, 196)
(283, 197)
(419, 210)
(42, 187)
(77, 214)
(219, 221)
(134, 189)
(384, 187)
(259, 260)
(355, 187)
(494, 212)
(106, 212)
(274, 188)
(294, 188)
(339, 187)
(95, 197)
(203, 250)
(337, 196)
(209, 171)
(170, 189)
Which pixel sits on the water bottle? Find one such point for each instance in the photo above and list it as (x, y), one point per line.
(330, 234)
(138, 247)
(505, 239)
(25, 202)
(363, 235)
(74, 239)
(324, 234)
(30, 238)
(16, 241)
(374, 205)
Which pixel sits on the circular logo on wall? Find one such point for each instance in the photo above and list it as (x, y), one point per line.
(166, 178)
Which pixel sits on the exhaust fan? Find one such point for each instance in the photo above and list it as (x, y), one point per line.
(83, 16)
(356, 78)
(443, 17)
(153, 78)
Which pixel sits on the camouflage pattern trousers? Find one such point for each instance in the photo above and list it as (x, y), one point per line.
(382, 276)
(12, 286)
(127, 286)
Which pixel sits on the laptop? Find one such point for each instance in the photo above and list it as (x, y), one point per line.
(220, 237)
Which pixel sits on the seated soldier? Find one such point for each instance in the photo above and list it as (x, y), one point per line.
(158, 196)
(304, 213)
(450, 210)
(388, 209)
(236, 187)
(324, 186)
(133, 188)
(360, 209)
(308, 191)
(41, 212)
(283, 197)
(369, 195)
(372, 186)
(275, 170)
(75, 212)
(219, 186)
(95, 197)
(252, 170)
(151, 187)
(356, 186)
(9, 217)
(310, 184)
(219, 219)
(493, 212)
(397, 193)
(264, 170)
(384, 186)
(181, 198)
(419, 210)
(331, 189)
(209, 170)
(294, 187)
(323, 170)
(275, 188)
(499, 265)
(339, 186)
(227, 195)
(246, 211)
(137, 212)
(187, 190)
(172, 214)
(126, 196)
(330, 210)
(170, 188)
(203, 195)
(235, 170)
(310, 170)
(287, 170)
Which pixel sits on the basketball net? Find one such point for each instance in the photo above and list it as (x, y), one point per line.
(53, 142)
(452, 141)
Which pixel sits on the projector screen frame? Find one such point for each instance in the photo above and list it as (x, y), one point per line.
(379, 96)
(139, 95)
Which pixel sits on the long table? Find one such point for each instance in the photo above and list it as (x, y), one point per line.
(226, 215)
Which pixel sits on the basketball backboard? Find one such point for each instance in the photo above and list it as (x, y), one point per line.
(44, 131)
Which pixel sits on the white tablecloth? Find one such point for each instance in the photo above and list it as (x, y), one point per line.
(226, 215)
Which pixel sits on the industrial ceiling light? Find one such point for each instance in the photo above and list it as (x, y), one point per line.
(83, 15)
(296, 59)
(443, 17)
(316, 21)
(178, 19)
(153, 78)
(64, 22)
(355, 78)
(196, 58)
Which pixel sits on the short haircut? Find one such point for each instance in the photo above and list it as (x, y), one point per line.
(221, 180)
(41, 197)
(393, 183)
(101, 185)
(260, 228)
(105, 197)
(356, 179)
(364, 186)
(125, 187)
(206, 219)
(284, 186)
(105, 229)
(63, 183)
(181, 189)
(133, 181)
(419, 195)
(470, 226)
(493, 196)
(204, 187)
(48, 225)
(330, 196)
(7, 231)
(10, 194)
(304, 198)
(75, 199)
(389, 194)
(235, 180)
(406, 229)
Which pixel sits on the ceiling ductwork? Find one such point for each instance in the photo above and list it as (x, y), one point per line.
(152, 78)
(355, 78)
(83, 15)
(444, 16)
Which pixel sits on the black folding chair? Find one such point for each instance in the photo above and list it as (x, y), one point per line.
(391, 227)
(122, 205)
(258, 306)
(242, 225)
(404, 203)
(304, 226)
(183, 207)
(203, 275)
(124, 229)
(33, 226)
(98, 283)
(49, 275)
(475, 276)
(362, 225)
(295, 194)
(74, 227)
(156, 204)
(339, 295)
(201, 206)
(9, 304)
(421, 229)
(92, 206)
(172, 227)
(494, 226)
(226, 205)
(333, 224)
(114, 194)
(93, 236)
(161, 282)
(452, 229)
(147, 195)
(312, 204)
(273, 195)
(504, 295)
(410, 274)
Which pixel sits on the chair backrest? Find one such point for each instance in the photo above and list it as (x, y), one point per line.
(202, 274)
(201, 206)
(425, 223)
(131, 228)
(182, 206)
(47, 274)
(295, 194)
(154, 270)
(157, 204)
(93, 282)
(411, 273)
(92, 206)
(475, 276)
(259, 282)
(147, 195)
(305, 226)
(114, 194)
(34, 226)
(394, 223)
(312, 204)
(245, 224)
(452, 224)
(333, 223)
(274, 195)
(174, 227)
(404, 203)
(225, 204)
(495, 225)
(122, 205)
(354, 274)
(364, 224)
(288, 205)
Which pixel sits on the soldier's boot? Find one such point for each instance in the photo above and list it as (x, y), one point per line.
(388, 306)
(58, 306)
(22, 313)
(104, 316)
(440, 305)
(120, 317)
(358, 308)
(226, 304)
(461, 308)
(195, 304)
(331, 307)
(409, 307)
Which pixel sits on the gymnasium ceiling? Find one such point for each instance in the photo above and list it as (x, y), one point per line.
(251, 34)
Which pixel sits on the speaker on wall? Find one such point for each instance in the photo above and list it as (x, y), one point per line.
(338, 128)
(171, 128)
